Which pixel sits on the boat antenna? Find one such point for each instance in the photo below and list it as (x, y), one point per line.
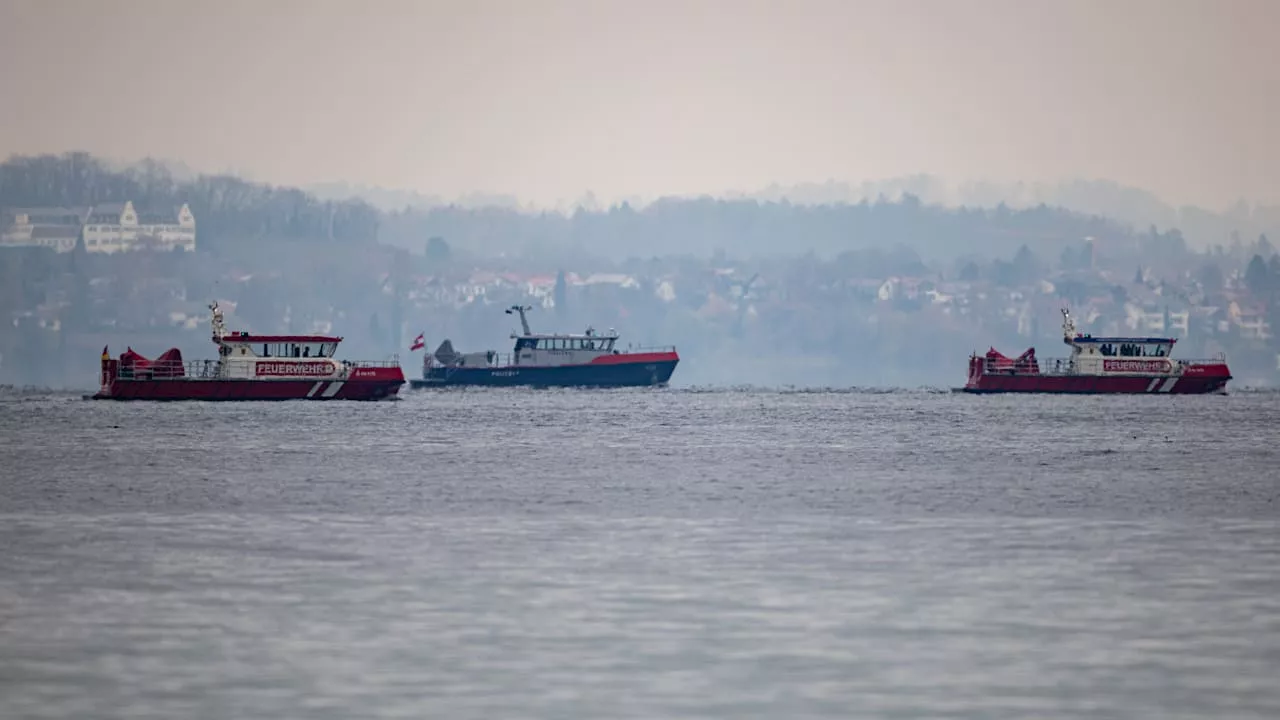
(1068, 325)
(219, 329)
(524, 322)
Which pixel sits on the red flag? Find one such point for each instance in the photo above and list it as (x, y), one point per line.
(418, 343)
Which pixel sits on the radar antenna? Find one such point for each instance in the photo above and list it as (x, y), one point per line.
(219, 329)
(524, 322)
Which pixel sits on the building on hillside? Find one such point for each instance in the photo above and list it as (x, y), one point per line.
(1149, 319)
(118, 227)
(1250, 320)
(104, 228)
(57, 228)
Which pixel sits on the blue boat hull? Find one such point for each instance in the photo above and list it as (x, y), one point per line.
(638, 374)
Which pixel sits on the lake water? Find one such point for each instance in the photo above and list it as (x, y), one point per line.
(654, 553)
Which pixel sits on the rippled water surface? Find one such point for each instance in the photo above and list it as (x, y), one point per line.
(668, 553)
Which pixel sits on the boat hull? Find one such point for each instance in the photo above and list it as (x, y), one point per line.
(637, 373)
(1202, 384)
(250, 390)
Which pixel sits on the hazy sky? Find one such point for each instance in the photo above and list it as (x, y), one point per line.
(546, 99)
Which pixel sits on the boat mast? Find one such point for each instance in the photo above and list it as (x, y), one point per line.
(524, 322)
(219, 329)
(1068, 327)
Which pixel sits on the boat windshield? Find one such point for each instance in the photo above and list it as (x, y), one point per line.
(297, 350)
(1134, 349)
(599, 344)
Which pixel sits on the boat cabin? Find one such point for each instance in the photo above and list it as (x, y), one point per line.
(278, 346)
(244, 355)
(556, 349)
(531, 349)
(588, 341)
(1123, 347)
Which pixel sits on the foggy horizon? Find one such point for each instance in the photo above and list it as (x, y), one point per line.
(550, 103)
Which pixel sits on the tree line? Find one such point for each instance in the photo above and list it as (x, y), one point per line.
(229, 212)
(749, 227)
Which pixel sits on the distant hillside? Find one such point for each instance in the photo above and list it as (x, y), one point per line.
(748, 227)
(379, 197)
(1136, 208)
(392, 200)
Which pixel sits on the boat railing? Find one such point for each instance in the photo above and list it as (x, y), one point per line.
(371, 363)
(208, 369)
(502, 360)
(169, 370)
(1055, 366)
(1215, 360)
(1062, 366)
(1041, 366)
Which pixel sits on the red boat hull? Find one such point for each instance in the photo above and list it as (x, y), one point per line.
(1187, 384)
(386, 384)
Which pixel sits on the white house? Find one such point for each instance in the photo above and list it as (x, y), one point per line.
(118, 227)
(105, 228)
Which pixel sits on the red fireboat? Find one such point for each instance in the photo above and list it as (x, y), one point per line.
(1098, 365)
(250, 367)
